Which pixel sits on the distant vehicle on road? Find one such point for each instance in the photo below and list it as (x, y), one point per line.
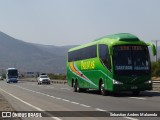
(12, 75)
(43, 78)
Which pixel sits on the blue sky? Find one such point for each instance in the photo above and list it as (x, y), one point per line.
(70, 22)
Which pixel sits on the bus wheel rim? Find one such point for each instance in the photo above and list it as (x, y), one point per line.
(102, 88)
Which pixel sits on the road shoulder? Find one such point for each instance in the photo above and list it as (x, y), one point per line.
(6, 106)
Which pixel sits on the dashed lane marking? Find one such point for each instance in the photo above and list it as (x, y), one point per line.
(85, 105)
(37, 108)
(139, 98)
(76, 103)
(65, 89)
(98, 109)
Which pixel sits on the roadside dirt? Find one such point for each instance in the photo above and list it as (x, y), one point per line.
(6, 106)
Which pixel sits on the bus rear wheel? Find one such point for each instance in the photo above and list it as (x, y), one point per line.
(76, 87)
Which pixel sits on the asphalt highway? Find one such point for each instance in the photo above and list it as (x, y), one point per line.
(59, 102)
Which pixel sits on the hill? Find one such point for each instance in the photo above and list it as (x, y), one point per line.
(31, 57)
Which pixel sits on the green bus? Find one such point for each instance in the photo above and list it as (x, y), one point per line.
(119, 62)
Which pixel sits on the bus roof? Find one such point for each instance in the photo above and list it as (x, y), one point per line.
(11, 69)
(114, 39)
(121, 37)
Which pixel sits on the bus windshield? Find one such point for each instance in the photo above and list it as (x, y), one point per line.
(12, 73)
(131, 60)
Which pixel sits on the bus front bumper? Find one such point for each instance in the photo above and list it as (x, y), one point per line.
(12, 80)
(128, 87)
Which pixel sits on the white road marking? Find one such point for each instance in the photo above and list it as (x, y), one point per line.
(138, 98)
(50, 87)
(37, 108)
(130, 118)
(38, 92)
(75, 103)
(100, 109)
(85, 105)
(66, 100)
(47, 95)
(65, 88)
(58, 98)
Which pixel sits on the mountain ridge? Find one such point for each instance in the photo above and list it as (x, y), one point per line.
(34, 57)
(31, 57)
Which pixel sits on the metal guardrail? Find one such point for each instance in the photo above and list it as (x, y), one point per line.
(156, 85)
(52, 81)
(65, 81)
(155, 81)
(59, 81)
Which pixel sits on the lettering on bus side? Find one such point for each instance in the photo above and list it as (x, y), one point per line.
(86, 65)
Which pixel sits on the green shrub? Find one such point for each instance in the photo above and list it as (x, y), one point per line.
(155, 68)
(57, 76)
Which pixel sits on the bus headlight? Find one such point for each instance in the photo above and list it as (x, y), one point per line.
(148, 82)
(117, 82)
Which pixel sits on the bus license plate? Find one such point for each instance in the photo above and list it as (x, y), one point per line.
(134, 87)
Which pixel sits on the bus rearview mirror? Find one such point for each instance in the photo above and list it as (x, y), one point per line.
(154, 51)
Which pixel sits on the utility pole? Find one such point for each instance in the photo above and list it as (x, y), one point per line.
(156, 41)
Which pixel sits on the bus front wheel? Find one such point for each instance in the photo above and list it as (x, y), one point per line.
(102, 90)
(75, 86)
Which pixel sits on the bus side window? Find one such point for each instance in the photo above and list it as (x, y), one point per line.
(104, 56)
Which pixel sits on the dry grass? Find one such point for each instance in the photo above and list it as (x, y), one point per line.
(156, 78)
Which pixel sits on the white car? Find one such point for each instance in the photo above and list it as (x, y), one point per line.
(43, 79)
